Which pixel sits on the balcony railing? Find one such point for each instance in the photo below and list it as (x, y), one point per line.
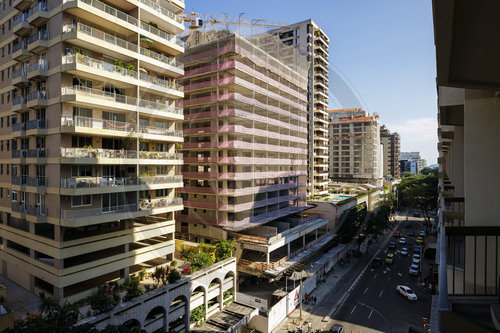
(42, 95)
(159, 131)
(159, 203)
(113, 125)
(121, 43)
(118, 98)
(34, 210)
(20, 45)
(73, 214)
(118, 154)
(162, 10)
(109, 10)
(98, 182)
(41, 35)
(105, 66)
(18, 73)
(30, 153)
(37, 181)
(19, 19)
(32, 124)
(39, 7)
(41, 66)
(162, 34)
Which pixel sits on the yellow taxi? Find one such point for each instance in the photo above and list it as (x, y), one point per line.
(389, 259)
(420, 240)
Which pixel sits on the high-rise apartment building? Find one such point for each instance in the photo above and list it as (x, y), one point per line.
(245, 133)
(89, 129)
(355, 150)
(390, 143)
(468, 81)
(311, 41)
(413, 158)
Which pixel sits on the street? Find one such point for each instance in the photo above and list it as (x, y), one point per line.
(373, 301)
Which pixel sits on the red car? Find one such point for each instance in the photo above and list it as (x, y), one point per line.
(397, 234)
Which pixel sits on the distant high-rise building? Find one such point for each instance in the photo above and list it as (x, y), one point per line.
(413, 156)
(390, 142)
(355, 149)
(312, 42)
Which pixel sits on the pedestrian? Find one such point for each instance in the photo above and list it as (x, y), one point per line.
(314, 300)
(309, 326)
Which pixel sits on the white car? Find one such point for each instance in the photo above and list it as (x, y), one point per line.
(415, 261)
(404, 251)
(414, 269)
(416, 256)
(406, 292)
(402, 240)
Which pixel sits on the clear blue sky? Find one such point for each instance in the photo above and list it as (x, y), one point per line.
(384, 47)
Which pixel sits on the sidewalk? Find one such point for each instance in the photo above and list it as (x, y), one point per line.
(330, 293)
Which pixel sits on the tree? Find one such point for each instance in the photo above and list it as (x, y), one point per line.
(104, 299)
(224, 249)
(47, 305)
(173, 276)
(419, 191)
(428, 171)
(201, 260)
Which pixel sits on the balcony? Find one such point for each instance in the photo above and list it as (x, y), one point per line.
(20, 78)
(39, 14)
(20, 25)
(469, 280)
(94, 185)
(153, 12)
(22, 4)
(19, 104)
(38, 42)
(173, 45)
(38, 70)
(20, 51)
(32, 127)
(37, 99)
(39, 153)
(120, 102)
(94, 39)
(39, 212)
(106, 71)
(111, 156)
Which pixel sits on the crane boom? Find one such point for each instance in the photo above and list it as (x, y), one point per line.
(197, 20)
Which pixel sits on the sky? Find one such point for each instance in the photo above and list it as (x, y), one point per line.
(384, 47)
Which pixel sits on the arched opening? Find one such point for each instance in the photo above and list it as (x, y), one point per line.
(228, 294)
(131, 325)
(214, 304)
(177, 314)
(157, 313)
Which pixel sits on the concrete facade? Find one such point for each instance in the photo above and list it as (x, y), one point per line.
(89, 130)
(355, 150)
(391, 152)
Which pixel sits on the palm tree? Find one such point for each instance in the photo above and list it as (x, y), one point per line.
(47, 305)
(68, 313)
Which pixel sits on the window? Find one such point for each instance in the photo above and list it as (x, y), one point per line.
(81, 171)
(7, 169)
(81, 200)
(14, 196)
(81, 141)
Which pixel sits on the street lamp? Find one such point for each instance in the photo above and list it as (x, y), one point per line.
(374, 310)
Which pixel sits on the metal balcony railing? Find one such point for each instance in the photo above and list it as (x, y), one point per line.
(31, 153)
(108, 9)
(37, 181)
(41, 35)
(20, 45)
(162, 34)
(118, 154)
(73, 214)
(19, 19)
(18, 73)
(39, 7)
(98, 182)
(162, 10)
(42, 66)
(32, 124)
(41, 95)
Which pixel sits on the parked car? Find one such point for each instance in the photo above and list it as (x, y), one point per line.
(417, 249)
(397, 233)
(402, 240)
(422, 233)
(392, 245)
(414, 269)
(420, 240)
(389, 259)
(416, 214)
(406, 292)
(416, 259)
(404, 251)
(411, 233)
(337, 328)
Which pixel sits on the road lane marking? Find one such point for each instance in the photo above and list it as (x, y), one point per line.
(370, 314)
(375, 276)
(380, 295)
(365, 291)
(353, 309)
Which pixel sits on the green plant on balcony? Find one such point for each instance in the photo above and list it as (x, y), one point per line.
(154, 25)
(106, 297)
(132, 288)
(173, 276)
(201, 260)
(143, 273)
(224, 249)
(178, 145)
(197, 315)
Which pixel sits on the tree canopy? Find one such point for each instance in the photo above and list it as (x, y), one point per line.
(419, 191)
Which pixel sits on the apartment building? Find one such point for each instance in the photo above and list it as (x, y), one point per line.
(312, 42)
(89, 129)
(468, 81)
(354, 147)
(390, 143)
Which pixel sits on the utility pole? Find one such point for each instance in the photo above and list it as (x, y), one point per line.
(300, 300)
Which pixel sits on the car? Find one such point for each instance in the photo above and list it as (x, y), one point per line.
(417, 249)
(407, 224)
(414, 269)
(392, 245)
(404, 251)
(402, 240)
(416, 214)
(389, 259)
(397, 233)
(420, 240)
(406, 292)
(377, 262)
(422, 233)
(411, 233)
(337, 328)
(415, 261)
(416, 255)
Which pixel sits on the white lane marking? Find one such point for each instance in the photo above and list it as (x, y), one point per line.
(370, 314)
(353, 309)
(380, 295)
(365, 291)
(375, 276)
(399, 274)
(385, 251)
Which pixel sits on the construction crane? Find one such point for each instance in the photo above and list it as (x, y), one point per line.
(198, 20)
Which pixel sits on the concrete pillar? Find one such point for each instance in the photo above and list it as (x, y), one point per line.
(206, 303)
(288, 246)
(304, 241)
(59, 294)
(316, 231)
(267, 258)
(221, 297)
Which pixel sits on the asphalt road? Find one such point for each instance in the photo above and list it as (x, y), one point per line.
(373, 301)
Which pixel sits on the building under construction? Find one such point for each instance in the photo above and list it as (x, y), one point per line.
(245, 148)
